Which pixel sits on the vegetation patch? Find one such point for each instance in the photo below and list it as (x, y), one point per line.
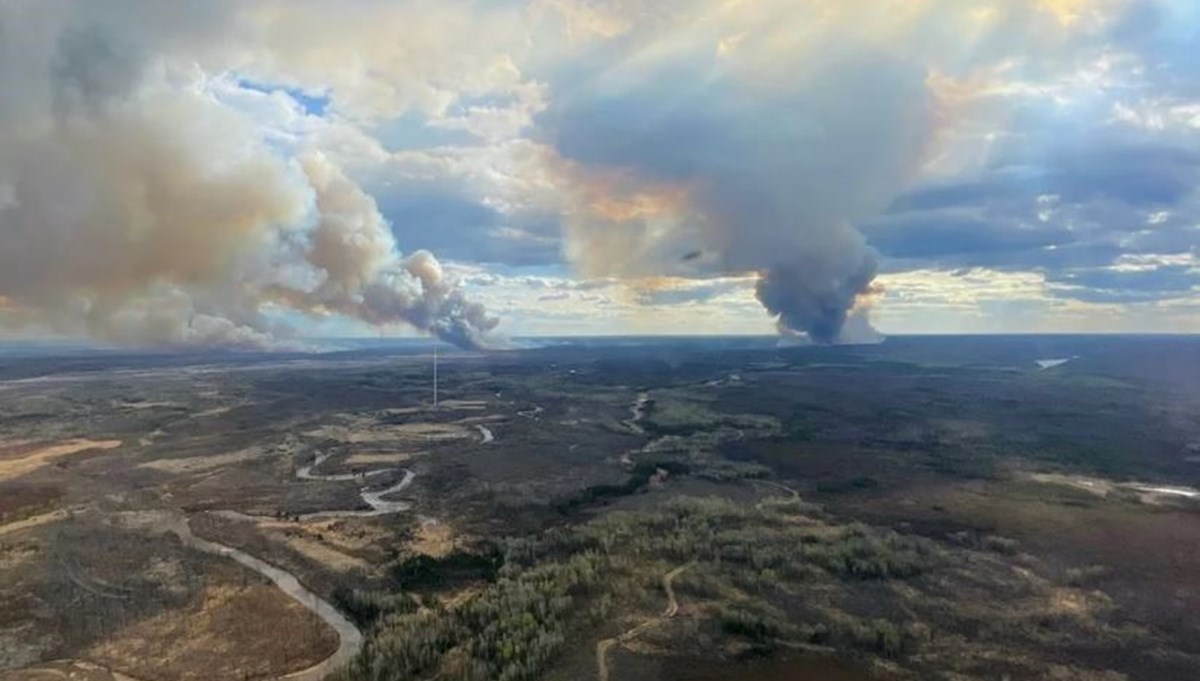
(19, 501)
(575, 580)
(638, 479)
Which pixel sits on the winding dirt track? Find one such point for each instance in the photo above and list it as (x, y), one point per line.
(792, 494)
(672, 609)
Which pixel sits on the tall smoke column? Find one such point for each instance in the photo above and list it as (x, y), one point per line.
(136, 207)
(760, 154)
(364, 275)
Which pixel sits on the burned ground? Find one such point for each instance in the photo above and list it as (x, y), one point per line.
(925, 508)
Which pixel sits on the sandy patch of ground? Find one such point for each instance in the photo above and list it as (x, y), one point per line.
(434, 539)
(349, 535)
(402, 411)
(75, 670)
(150, 520)
(204, 463)
(472, 420)
(425, 430)
(463, 404)
(221, 638)
(324, 554)
(34, 521)
(1145, 493)
(340, 533)
(1075, 602)
(372, 458)
(31, 460)
(404, 431)
(149, 405)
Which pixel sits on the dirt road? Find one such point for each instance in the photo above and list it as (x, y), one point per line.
(670, 611)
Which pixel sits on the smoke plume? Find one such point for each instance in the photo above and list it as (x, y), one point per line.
(752, 141)
(136, 207)
(771, 185)
(366, 279)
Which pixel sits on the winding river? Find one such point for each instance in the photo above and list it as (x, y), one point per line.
(637, 412)
(349, 637)
(379, 505)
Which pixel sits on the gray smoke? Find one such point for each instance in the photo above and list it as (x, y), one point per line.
(811, 296)
(137, 208)
(761, 166)
(757, 134)
(772, 179)
(366, 279)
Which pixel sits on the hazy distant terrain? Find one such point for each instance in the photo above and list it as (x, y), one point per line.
(624, 508)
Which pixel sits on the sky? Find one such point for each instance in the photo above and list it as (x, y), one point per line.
(258, 172)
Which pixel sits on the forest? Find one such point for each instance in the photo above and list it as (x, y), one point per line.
(572, 581)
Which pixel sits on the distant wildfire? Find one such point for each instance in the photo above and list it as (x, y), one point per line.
(135, 208)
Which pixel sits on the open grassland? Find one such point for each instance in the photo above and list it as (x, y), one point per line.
(18, 459)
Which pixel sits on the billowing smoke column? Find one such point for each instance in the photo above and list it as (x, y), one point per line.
(718, 153)
(365, 278)
(719, 138)
(136, 207)
(807, 296)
